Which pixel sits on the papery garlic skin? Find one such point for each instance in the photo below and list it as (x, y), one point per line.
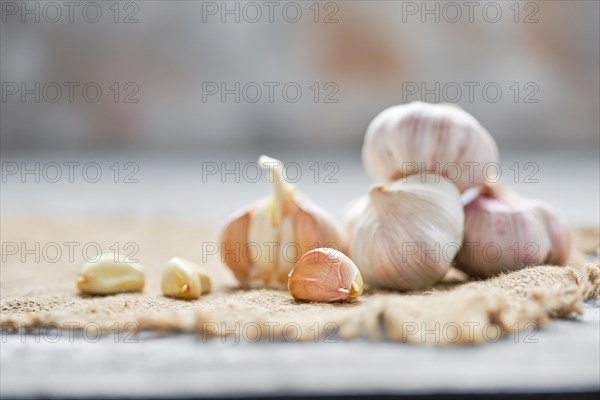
(107, 276)
(404, 235)
(506, 232)
(261, 243)
(419, 137)
(325, 275)
(560, 237)
(183, 279)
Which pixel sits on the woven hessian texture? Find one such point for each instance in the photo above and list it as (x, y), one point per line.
(41, 294)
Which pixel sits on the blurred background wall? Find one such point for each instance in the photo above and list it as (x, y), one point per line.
(158, 64)
(158, 93)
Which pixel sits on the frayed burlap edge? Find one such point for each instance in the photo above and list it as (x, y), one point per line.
(42, 295)
(472, 313)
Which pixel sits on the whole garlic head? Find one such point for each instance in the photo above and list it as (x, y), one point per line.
(418, 137)
(405, 234)
(261, 243)
(506, 232)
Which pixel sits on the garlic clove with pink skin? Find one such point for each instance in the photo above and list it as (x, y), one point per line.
(560, 238)
(404, 235)
(506, 232)
(234, 236)
(325, 275)
(421, 137)
(262, 242)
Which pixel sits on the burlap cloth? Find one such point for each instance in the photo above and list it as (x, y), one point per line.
(41, 294)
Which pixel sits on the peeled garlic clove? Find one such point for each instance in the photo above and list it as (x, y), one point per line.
(262, 243)
(184, 280)
(506, 232)
(107, 276)
(419, 137)
(325, 275)
(405, 234)
(205, 281)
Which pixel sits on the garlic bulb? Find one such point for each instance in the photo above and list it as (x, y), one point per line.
(504, 232)
(262, 242)
(560, 238)
(418, 137)
(325, 275)
(405, 234)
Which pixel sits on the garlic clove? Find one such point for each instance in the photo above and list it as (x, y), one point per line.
(306, 230)
(288, 252)
(205, 281)
(107, 276)
(421, 137)
(314, 228)
(184, 280)
(263, 243)
(560, 238)
(233, 241)
(276, 231)
(178, 283)
(405, 234)
(356, 287)
(325, 275)
(281, 199)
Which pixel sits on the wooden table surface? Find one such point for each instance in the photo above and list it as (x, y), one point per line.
(564, 357)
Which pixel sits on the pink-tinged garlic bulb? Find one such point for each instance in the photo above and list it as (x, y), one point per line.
(262, 242)
(506, 232)
(441, 138)
(405, 234)
(325, 275)
(560, 238)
